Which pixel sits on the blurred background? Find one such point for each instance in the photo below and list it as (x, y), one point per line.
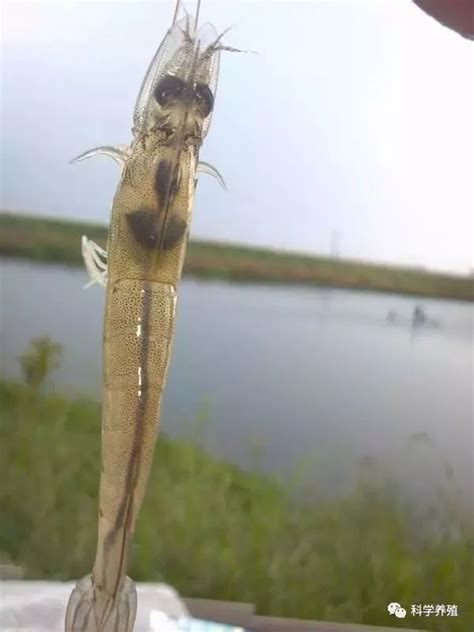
(317, 438)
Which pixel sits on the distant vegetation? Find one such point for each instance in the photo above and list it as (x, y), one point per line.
(41, 239)
(213, 530)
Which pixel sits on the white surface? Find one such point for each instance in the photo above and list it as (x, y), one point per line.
(39, 606)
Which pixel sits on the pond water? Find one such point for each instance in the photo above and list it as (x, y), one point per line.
(275, 376)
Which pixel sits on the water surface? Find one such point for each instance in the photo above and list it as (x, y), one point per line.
(280, 374)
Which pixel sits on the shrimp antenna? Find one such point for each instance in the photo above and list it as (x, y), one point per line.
(198, 8)
(176, 11)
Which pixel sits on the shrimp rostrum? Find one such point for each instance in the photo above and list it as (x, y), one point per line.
(141, 269)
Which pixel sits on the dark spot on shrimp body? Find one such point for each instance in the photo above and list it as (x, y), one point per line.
(167, 180)
(144, 225)
(173, 89)
(204, 98)
(170, 88)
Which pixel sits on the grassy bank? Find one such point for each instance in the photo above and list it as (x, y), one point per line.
(41, 239)
(215, 531)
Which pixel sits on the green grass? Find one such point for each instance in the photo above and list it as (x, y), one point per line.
(215, 531)
(41, 239)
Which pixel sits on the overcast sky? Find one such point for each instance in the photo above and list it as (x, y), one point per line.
(355, 117)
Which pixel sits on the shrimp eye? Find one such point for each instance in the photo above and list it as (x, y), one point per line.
(169, 88)
(204, 99)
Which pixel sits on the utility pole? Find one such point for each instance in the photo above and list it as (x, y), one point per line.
(335, 247)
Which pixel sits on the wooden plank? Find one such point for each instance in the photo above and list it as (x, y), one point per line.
(243, 615)
(230, 612)
(277, 624)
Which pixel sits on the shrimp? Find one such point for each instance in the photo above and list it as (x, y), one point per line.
(141, 270)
